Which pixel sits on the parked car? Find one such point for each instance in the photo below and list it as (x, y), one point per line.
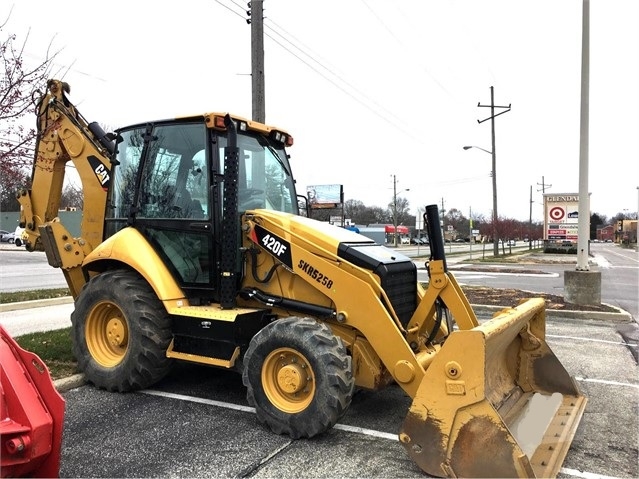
(19, 237)
(12, 237)
(511, 243)
(8, 237)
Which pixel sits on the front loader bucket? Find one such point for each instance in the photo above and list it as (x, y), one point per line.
(495, 402)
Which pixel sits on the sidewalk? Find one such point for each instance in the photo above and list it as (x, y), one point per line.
(36, 316)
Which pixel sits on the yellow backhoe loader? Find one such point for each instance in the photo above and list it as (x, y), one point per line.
(192, 248)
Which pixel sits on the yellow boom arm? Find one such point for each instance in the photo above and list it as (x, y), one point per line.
(63, 135)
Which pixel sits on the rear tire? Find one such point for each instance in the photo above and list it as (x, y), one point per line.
(298, 376)
(121, 332)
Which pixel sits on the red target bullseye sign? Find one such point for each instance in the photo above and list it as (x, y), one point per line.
(557, 213)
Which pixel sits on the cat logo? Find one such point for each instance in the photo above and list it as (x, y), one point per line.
(102, 173)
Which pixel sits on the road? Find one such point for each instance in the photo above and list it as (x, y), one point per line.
(619, 269)
(24, 271)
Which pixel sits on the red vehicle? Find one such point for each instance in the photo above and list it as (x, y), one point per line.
(31, 414)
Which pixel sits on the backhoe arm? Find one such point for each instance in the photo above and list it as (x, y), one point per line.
(64, 135)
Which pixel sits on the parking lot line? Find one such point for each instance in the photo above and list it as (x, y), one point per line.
(580, 338)
(606, 381)
(211, 402)
(365, 431)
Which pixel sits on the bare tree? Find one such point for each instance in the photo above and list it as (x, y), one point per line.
(72, 198)
(18, 89)
(403, 211)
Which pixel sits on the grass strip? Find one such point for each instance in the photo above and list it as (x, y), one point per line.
(54, 349)
(19, 296)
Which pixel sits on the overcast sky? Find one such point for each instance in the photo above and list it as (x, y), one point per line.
(375, 88)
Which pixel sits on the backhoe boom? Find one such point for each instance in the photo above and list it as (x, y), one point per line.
(64, 135)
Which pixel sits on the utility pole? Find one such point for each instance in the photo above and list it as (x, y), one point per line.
(394, 211)
(442, 226)
(256, 13)
(470, 231)
(395, 234)
(492, 117)
(543, 186)
(530, 221)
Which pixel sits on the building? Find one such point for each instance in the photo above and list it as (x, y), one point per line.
(606, 233)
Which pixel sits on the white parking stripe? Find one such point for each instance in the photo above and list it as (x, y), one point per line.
(620, 343)
(584, 474)
(367, 432)
(461, 272)
(210, 402)
(605, 381)
(353, 429)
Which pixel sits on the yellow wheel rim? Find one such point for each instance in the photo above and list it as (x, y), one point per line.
(107, 334)
(288, 381)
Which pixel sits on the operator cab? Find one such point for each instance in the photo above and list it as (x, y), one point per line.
(169, 185)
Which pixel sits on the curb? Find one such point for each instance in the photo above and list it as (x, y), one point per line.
(37, 303)
(620, 317)
(70, 382)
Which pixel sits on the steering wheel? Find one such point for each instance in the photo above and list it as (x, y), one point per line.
(250, 198)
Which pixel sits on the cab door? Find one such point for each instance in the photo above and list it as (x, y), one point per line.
(165, 174)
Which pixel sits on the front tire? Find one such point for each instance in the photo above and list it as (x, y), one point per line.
(298, 376)
(121, 332)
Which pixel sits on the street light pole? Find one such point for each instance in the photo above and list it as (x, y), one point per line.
(493, 115)
(493, 173)
(395, 209)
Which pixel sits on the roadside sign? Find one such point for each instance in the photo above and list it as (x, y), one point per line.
(557, 213)
(561, 217)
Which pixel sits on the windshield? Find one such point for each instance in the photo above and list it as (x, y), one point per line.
(265, 180)
(173, 180)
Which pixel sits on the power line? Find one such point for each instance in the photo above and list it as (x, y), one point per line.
(402, 44)
(365, 101)
(230, 9)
